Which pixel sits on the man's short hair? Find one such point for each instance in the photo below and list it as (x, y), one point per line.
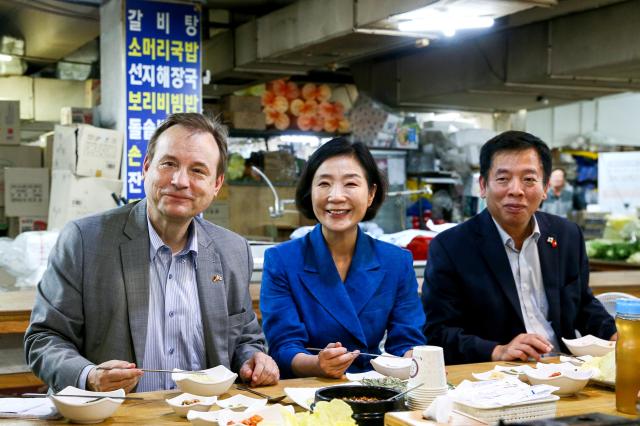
(564, 172)
(514, 141)
(197, 123)
(334, 148)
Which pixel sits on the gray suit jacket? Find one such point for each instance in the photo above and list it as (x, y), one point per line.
(92, 302)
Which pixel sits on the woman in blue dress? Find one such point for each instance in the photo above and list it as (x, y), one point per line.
(337, 288)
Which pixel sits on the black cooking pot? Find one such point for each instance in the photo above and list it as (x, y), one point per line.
(364, 413)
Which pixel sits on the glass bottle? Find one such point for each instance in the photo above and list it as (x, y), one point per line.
(627, 355)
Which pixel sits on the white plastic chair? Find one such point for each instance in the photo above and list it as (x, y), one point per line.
(608, 300)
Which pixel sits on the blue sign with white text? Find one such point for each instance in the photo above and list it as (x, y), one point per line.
(163, 75)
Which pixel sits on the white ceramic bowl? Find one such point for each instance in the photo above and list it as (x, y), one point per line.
(589, 345)
(569, 382)
(208, 418)
(203, 404)
(80, 410)
(392, 366)
(216, 382)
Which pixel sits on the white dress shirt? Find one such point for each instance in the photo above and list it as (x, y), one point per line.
(527, 274)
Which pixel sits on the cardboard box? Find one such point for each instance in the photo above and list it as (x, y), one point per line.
(26, 191)
(29, 224)
(75, 115)
(87, 150)
(9, 122)
(212, 110)
(242, 104)
(218, 213)
(75, 196)
(17, 156)
(280, 166)
(245, 120)
(46, 141)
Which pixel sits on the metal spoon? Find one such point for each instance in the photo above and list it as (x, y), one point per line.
(393, 398)
(270, 399)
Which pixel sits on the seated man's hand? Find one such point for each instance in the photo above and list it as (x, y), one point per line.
(522, 347)
(260, 370)
(334, 360)
(116, 375)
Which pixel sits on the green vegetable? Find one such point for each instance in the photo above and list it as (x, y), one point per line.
(387, 382)
(634, 258)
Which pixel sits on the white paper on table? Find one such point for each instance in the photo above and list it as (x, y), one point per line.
(501, 372)
(241, 401)
(356, 377)
(271, 414)
(28, 408)
(499, 393)
(440, 409)
(304, 397)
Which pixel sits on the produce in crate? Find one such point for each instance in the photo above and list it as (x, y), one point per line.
(288, 89)
(320, 92)
(286, 106)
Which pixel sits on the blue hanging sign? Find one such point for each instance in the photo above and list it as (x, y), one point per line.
(163, 57)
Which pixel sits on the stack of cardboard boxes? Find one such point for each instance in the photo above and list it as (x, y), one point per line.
(24, 184)
(84, 172)
(244, 112)
(72, 173)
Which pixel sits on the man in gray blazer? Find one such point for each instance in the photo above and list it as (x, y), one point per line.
(151, 284)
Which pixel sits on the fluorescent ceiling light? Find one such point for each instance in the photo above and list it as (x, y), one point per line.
(445, 21)
(5, 58)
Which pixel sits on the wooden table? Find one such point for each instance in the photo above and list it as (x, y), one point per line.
(619, 281)
(15, 310)
(155, 411)
(611, 265)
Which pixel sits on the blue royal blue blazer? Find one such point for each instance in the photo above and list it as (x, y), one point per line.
(304, 302)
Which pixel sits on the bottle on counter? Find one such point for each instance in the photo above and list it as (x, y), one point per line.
(628, 355)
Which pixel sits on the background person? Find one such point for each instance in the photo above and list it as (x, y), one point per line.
(151, 284)
(561, 199)
(336, 287)
(510, 282)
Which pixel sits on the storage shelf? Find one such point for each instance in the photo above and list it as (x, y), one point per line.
(265, 134)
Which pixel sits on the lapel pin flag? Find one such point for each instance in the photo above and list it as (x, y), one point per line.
(216, 278)
(553, 242)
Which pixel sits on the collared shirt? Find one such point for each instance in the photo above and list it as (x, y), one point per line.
(175, 338)
(527, 274)
(559, 205)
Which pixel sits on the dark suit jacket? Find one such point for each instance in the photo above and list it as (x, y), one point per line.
(304, 302)
(470, 298)
(92, 304)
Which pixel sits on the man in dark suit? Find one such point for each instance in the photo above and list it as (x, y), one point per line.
(510, 282)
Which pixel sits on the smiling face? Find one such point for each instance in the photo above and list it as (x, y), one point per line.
(181, 180)
(514, 189)
(340, 194)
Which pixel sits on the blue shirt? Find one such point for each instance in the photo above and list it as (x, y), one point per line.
(175, 338)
